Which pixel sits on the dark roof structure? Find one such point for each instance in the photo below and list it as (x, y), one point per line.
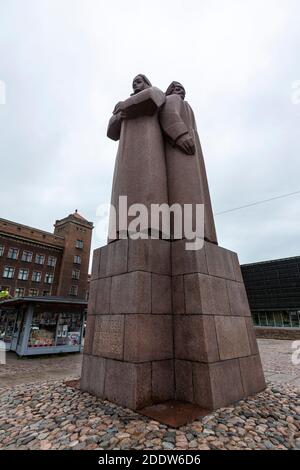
(45, 300)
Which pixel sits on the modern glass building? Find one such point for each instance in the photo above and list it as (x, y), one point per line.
(273, 289)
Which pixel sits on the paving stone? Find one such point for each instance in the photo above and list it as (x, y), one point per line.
(268, 420)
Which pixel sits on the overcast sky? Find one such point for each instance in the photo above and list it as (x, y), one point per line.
(66, 63)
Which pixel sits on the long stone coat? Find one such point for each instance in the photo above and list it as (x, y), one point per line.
(187, 180)
(140, 167)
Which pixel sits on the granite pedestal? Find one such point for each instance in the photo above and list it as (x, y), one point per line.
(168, 324)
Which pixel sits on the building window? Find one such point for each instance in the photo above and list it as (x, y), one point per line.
(43, 330)
(33, 292)
(9, 272)
(36, 276)
(278, 319)
(270, 319)
(75, 274)
(295, 319)
(255, 318)
(69, 329)
(77, 259)
(1, 250)
(51, 261)
(286, 320)
(39, 259)
(27, 256)
(74, 290)
(13, 253)
(23, 274)
(19, 292)
(263, 319)
(79, 244)
(46, 293)
(49, 278)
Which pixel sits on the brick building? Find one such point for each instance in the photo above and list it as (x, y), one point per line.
(38, 263)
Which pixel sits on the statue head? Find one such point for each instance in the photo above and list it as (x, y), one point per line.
(176, 89)
(140, 83)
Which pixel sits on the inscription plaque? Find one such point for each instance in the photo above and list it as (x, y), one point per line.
(108, 338)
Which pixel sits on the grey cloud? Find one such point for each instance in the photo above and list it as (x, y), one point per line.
(66, 63)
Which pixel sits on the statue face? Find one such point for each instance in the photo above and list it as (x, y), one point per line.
(179, 90)
(139, 84)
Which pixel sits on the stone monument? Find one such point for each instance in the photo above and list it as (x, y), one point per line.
(166, 325)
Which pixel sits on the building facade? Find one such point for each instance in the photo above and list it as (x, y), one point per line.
(273, 289)
(38, 263)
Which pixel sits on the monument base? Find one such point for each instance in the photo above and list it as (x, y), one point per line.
(168, 324)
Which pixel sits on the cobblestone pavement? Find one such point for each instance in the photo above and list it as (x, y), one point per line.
(52, 415)
(49, 414)
(277, 361)
(34, 369)
(276, 357)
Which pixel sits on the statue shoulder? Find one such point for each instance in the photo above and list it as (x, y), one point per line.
(154, 94)
(145, 103)
(174, 103)
(157, 94)
(174, 99)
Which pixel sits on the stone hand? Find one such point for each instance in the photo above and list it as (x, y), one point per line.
(119, 110)
(118, 107)
(186, 144)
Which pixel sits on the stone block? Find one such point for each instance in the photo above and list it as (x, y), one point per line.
(219, 296)
(195, 338)
(202, 385)
(93, 375)
(187, 262)
(97, 376)
(184, 381)
(206, 295)
(226, 383)
(127, 384)
(161, 294)
(252, 336)
(178, 302)
(219, 261)
(89, 334)
(131, 293)
(103, 288)
(252, 375)
(114, 259)
(163, 387)
(109, 336)
(96, 264)
(194, 286)
(238, 299)
(148, 338)
(217, 385)
(85, 373)
(232, 337)
(150, 255)
(92, 297)
(237, 267)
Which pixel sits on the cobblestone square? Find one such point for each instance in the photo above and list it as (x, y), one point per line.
(39, 411)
